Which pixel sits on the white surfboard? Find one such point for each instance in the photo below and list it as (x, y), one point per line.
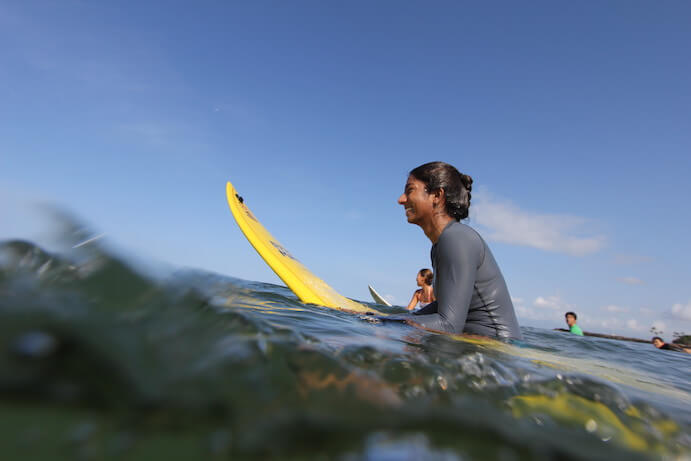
(377, 297)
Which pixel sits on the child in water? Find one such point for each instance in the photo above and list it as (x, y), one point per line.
(571, 322)
(660, 344)
(425, 294)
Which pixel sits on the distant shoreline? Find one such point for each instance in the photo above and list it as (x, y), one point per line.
(617, 337)
(626, 338)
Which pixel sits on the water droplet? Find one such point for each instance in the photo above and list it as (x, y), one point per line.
(591, 425)
(35, 344)
(262, 345)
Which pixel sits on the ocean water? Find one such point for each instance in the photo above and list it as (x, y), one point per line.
(99, 360)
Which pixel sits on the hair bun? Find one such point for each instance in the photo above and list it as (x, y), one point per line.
(467, 182)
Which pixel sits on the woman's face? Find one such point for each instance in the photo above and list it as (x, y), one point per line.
(420, 280)
(418, 204)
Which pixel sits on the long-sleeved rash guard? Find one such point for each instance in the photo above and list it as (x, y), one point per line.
(471, 292)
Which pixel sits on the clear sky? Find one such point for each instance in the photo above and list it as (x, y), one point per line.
(573, 118)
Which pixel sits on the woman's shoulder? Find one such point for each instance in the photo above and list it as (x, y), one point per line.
(459, 231)
(460, 238)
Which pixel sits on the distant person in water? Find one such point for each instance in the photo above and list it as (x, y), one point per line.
(660, 344)
(471, 294)
(571, 322)
(425, 295)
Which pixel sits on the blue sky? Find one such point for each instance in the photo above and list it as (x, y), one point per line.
(573, 119)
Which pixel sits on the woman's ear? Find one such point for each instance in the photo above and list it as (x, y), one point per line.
(439, 196)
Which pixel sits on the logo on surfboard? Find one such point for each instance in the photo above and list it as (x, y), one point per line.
(250, 215)
(282, 250)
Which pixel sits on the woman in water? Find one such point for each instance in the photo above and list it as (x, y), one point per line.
(425, 295)
(472, 296)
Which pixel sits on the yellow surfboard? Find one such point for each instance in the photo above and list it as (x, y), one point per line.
(306, 286)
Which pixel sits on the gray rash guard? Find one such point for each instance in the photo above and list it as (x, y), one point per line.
(471, 292)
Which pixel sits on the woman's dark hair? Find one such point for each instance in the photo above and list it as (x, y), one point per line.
(427, 276)
(656, 337)
(456, 186)
(571, 313)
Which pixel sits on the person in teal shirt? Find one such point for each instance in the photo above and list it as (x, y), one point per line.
(571, 322)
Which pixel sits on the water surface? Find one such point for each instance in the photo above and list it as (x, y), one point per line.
(98, 360)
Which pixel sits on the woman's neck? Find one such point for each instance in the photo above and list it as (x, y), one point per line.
(426, 293)
(436, 226)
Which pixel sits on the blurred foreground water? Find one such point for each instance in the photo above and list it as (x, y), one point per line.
(98, 360)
